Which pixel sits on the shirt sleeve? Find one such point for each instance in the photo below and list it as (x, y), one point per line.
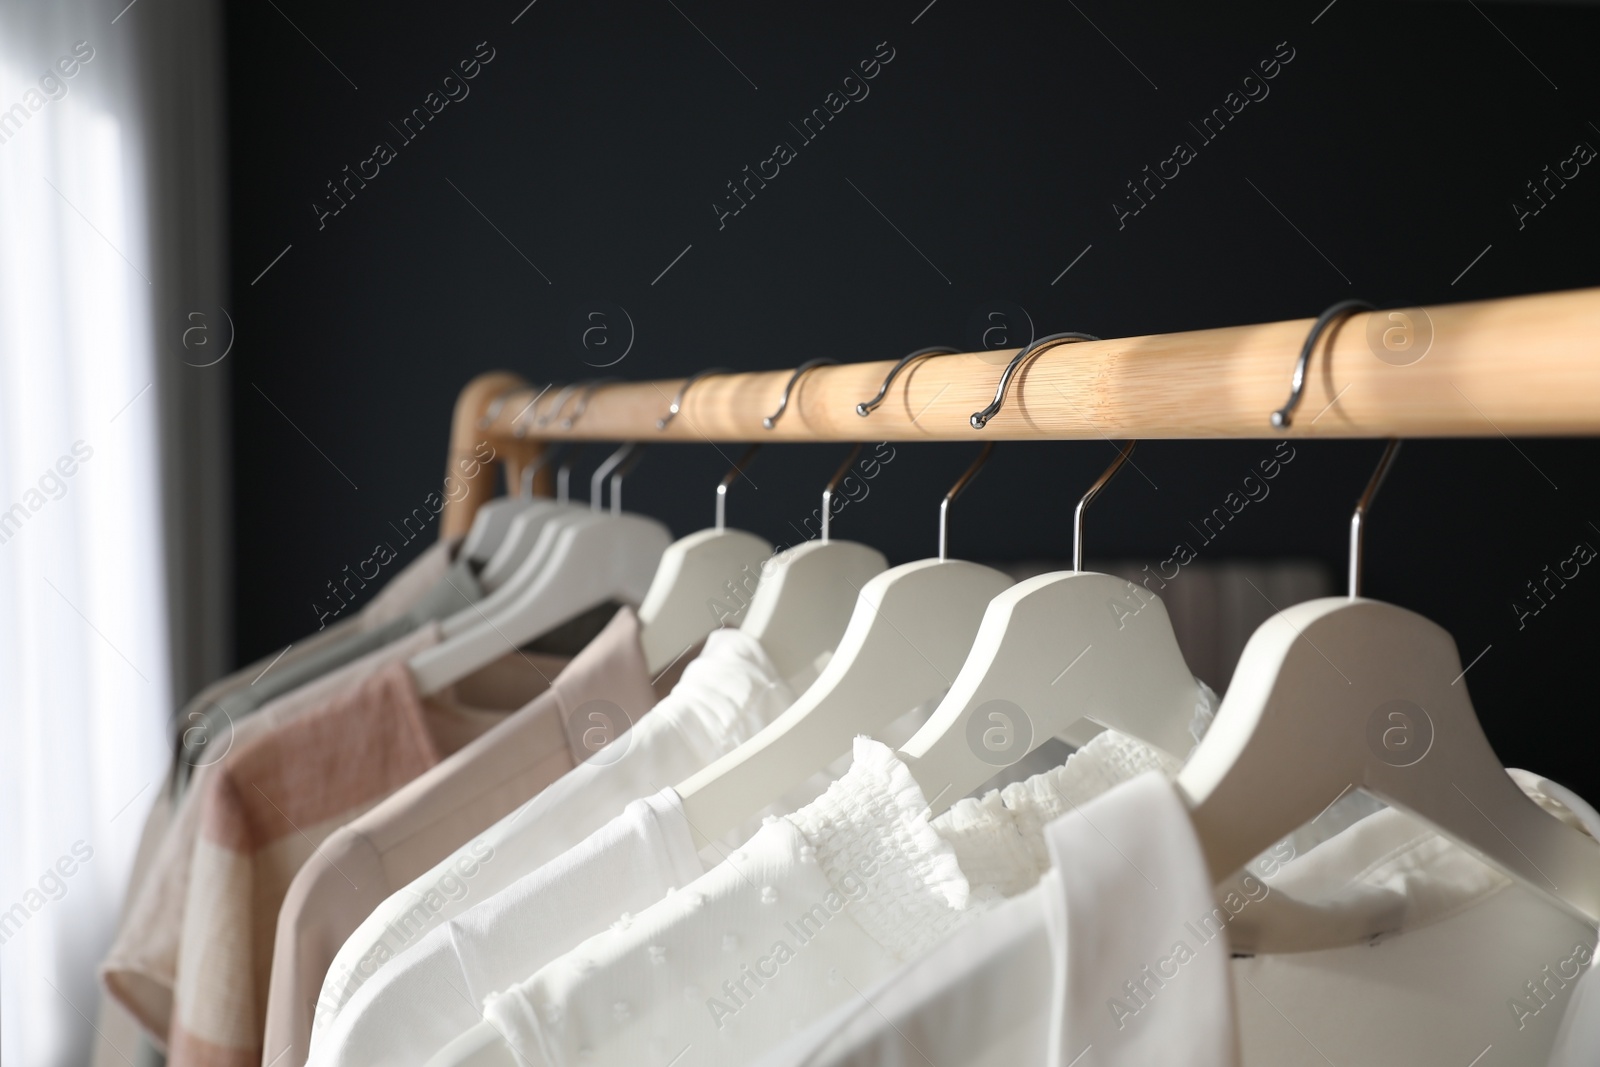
(336, 888)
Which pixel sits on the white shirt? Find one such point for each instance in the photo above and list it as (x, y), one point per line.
(433, 993)
(1579, 1039)
(1578, 1042)
(813, 907)
(1382, 944)
(725, 695)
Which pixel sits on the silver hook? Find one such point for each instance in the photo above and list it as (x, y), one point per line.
(833, 483)
(635, 454)
(867, 407)
(955, 491)
(1364, 505)
(517, 429)
(980, 419)
(583, 401)
(597, 480)
(683, 391)
(1284, 415)
(540, 461)
(783, 402)
(564, 474)
(1094, 491)
(556, 406)
(727, 480)
(488, 417)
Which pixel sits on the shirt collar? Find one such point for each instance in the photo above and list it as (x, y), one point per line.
(1384, 874)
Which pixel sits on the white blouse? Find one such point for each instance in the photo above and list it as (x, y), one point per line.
(431, 994)
(417, 1001)
(1380, 944)
(725, 695)
(815, 907)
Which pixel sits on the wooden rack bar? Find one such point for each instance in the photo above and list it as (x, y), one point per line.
(1527, 365)
(1520, 366)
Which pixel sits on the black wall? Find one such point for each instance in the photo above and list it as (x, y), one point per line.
(595, 143)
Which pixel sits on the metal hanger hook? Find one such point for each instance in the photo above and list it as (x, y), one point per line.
(597, 480)
(556, 405)
(635, 454)
(955, 491)
(1359, 516)
(1088, 498)
(493, 410)
(518, 430)
(541, 461)
(833, 484)
(783, 402)
(583, 401)
(683, 391)
(867, 407)
(728, 479)
(1282, 418)
(980, 419)
(564, 474)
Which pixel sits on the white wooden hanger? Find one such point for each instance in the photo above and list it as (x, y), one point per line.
(806, 593)
(500, 534)
(523, 532)
(1293, 735)
(701, 584)
(493, 519)
(910, 630)
(490, 526)
(590, 560)
(526, 549)
(802, 605)
(1344, 692)
(532, 538)
(1052, 651)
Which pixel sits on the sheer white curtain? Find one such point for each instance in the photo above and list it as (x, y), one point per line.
(97, 273)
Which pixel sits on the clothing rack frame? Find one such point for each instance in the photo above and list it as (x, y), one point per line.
(1514, 366)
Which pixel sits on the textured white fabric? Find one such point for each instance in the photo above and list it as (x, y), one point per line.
(408, 1011)
(1000, 835)
(813, 908)
(833, 897)
(431, 993)
(725, 695)
(1383, 944)
(588, 836)
(1133, 877)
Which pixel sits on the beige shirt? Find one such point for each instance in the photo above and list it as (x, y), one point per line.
(147, 919)
(365, 861)
(117, 1032)
(268, 806)
(140, 969)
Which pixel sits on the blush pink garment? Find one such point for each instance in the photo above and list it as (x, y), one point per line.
(405, 836)
(265, 810)
(139, 966)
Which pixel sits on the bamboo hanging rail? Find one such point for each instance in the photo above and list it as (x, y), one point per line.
(1517, 366)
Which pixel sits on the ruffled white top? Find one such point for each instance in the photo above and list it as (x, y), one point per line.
(815, 907)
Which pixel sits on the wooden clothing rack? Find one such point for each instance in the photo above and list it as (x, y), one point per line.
(1517, 366)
